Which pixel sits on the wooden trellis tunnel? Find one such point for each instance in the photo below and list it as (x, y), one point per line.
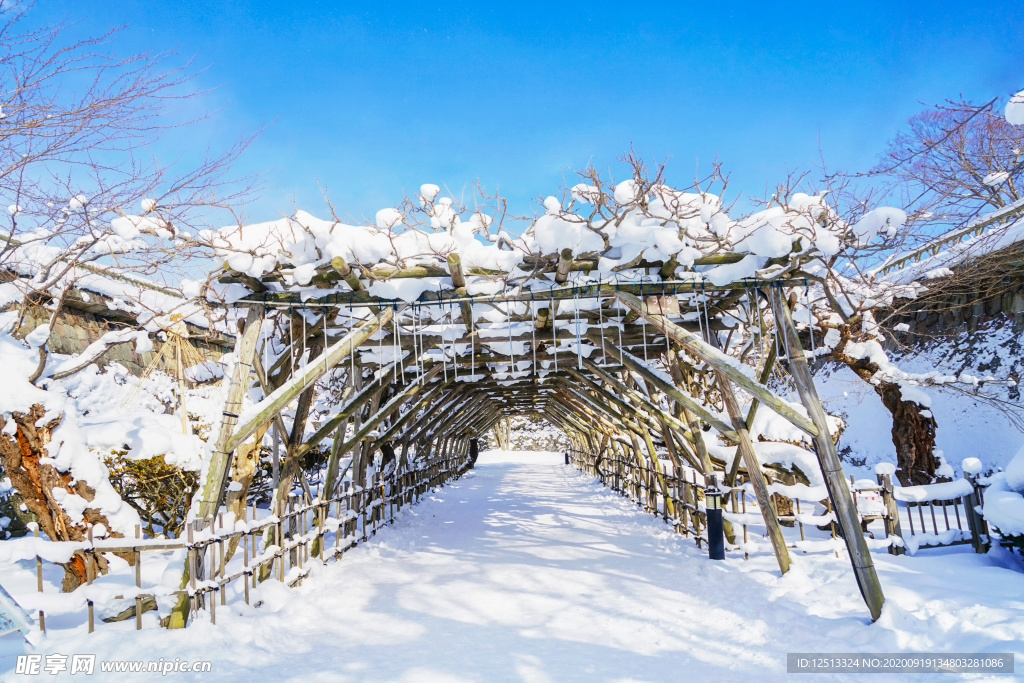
(632, 372)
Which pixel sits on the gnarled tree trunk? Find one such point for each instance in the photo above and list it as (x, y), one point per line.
(913, 434)
(36, 482)
(913, 425)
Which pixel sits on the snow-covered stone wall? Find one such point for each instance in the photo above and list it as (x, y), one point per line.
(80, 323)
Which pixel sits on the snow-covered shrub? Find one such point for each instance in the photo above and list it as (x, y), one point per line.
(159, 492)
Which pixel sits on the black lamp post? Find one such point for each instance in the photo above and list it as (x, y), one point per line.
(716, 527)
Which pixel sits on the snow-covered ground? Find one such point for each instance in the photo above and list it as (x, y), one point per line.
(526, 569)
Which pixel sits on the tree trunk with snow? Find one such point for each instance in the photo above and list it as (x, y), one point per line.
(913, 434)
(41, 486)
(913, 425)
(243, 471)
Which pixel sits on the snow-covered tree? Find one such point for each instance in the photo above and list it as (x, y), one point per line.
(86, 204)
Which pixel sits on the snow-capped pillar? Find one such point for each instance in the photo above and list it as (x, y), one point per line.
(832, 468)
(220, 460)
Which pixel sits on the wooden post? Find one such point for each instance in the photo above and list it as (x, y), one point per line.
(217, 475)
(892, 516)
(90, 576)
(216, 479)
(757, 479)
(138, 577)
(975, 522)
(832, 468)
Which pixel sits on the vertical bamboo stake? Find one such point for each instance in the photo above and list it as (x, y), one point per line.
(138, 579)
(181, 381)
(39, 578)
(245, 566)
(190, 564)
(743, 498)
(90, 575)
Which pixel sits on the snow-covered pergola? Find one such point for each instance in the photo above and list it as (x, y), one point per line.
(646, 326)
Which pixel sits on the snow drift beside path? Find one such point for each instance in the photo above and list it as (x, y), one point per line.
(526, 569)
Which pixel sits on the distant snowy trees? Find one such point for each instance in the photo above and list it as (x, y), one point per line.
(954, 166)
(953, 163)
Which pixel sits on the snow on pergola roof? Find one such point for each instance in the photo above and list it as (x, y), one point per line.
(459, 327)
(659, 234)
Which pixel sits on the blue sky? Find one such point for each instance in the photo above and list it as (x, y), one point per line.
(373, 99)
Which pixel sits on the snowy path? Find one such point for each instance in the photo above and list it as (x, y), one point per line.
(527, 570)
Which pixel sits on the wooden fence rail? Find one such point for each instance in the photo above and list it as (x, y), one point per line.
(934, 518)
(272, 547)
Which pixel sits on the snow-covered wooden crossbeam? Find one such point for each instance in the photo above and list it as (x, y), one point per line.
(263, 411)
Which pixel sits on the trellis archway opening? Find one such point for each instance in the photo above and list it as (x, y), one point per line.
(628, 367)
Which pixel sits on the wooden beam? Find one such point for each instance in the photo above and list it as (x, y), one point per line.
(350, 408)
(676, 373)
(720, 361)
(459, 282)
(217, 474)
(445, 406)
(684, 286)
(339, 264)
(666, 419)
(424, 400)
(391, 406)
(766, 373)
(314, 370)
(636, 365)
(832, 468)
(754, 473)
(603, 412)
